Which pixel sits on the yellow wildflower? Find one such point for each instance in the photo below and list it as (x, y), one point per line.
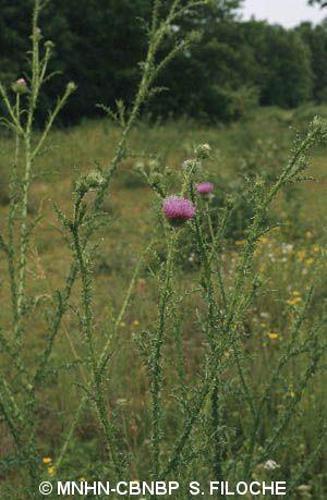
(294, 301)
(51, 470)
(301, 255)
(316, 248)
(273, 335)
(309, 261)
(136, 322)
(47, 460)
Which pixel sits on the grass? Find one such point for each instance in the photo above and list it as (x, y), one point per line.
(288, 259)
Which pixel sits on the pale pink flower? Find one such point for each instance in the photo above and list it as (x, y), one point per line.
(205, 188)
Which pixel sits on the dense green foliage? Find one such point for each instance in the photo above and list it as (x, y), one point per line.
(323, 3)
(316, 39)
(232, 66)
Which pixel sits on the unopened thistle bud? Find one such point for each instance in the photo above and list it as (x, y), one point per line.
(93, 180)
(71, 87)
(37, 33)
(20, 86)
(49, 45)
(188, 165)
(203, 152)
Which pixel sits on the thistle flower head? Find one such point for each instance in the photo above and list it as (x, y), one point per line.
(49, 45)
(205, 188)
(20, 86)
(188, 165)
(71, 87)
(203, 151)
(178, 209)
(93, 180)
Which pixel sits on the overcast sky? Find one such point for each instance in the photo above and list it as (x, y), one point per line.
(286, 12)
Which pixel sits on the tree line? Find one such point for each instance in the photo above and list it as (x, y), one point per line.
(233, 64)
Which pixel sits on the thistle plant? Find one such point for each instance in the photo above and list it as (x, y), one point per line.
(221, 319)
(20, 398)
(187, 408)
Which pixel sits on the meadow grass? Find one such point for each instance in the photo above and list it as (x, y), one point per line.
(288, 259)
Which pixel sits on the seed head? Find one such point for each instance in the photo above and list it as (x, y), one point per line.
(203, 152)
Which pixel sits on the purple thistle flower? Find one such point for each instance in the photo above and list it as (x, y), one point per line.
(205, 188)
(178, 209)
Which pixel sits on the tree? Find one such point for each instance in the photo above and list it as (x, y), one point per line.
(322, 3)
(315, 37)
(214, 79)
(100, 44)
(284, 74)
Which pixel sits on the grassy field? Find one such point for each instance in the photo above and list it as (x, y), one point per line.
(288, 258)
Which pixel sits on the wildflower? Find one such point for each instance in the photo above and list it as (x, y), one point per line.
(291, 394)
(272, 257)
(271, 465)
(287, 248)
(46, 460)
(295, 299)
(273, 335)
(301, 255)
(203, 151)
(304, 488)
(178, 209)
(51, 470)
(20, 86)
(205, 188)
(136, 322)
(191, 258)
(309, 261)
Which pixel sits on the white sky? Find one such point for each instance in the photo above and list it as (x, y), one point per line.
(285, 12)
